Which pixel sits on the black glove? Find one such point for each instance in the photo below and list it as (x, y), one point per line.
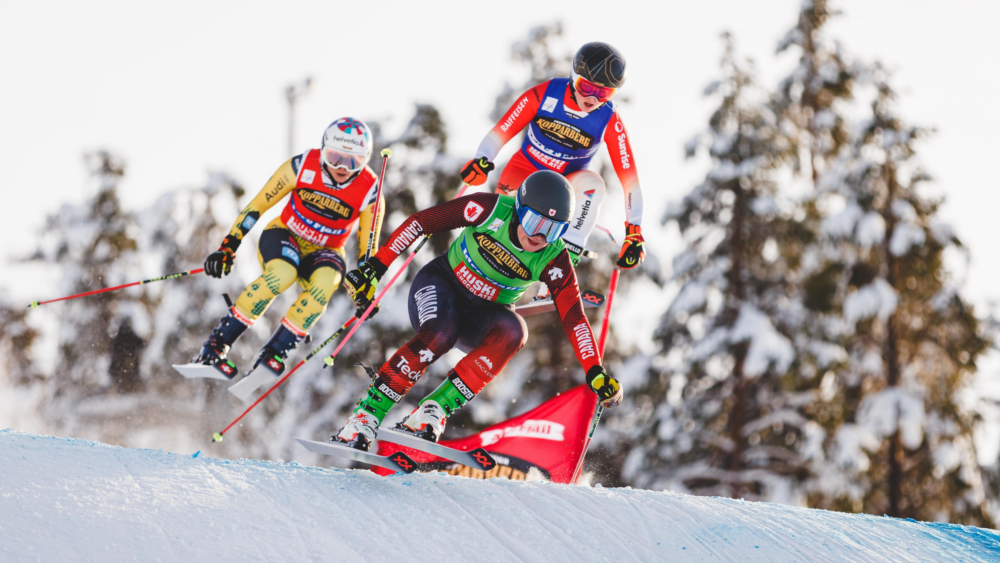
(362, 283)
(475, 171)
(220, 262)
(608, 390)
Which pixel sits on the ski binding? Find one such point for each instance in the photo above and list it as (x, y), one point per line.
(263, 374)
(476, 459)
(224, 370)
(398, 462)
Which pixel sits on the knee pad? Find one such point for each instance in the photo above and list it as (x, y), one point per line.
(589, 188)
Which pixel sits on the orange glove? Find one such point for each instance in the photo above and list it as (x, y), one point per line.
(474, 172)
(632, 253)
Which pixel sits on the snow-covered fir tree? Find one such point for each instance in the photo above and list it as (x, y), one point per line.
(100, 364)
(900, 436)
(723, 421)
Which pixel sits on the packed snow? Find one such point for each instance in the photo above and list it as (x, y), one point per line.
(63, 499)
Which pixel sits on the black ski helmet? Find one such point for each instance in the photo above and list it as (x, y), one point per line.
(548, 194)
(601, 64)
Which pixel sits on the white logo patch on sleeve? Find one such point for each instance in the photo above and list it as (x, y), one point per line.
(555, 273)
(549, 104)
(472, 211)
(308, 176)
(426, 356)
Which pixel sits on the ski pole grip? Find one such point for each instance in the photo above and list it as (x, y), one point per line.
(387, 152)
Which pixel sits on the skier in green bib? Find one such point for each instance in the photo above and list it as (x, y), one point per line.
(466, 297)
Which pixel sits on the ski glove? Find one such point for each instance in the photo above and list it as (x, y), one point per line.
(608, 390)
(220, 262)
(474, 172)
(361, 284)
(633, 251)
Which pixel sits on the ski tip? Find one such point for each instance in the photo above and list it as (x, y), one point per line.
(483, 459)
(404, 462)
(196, 454)
(386, 152)
(217, 437)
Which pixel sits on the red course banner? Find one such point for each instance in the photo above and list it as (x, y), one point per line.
(549, 438)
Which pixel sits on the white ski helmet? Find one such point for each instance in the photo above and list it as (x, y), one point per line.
(347, 144)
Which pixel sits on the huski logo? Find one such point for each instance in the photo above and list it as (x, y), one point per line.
(308, 176)
(538, 429)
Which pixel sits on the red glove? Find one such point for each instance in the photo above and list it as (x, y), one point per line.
(633, 252)
(474, 172)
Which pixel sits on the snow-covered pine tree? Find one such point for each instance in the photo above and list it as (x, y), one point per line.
(95, 246)
(809, 100)
(722, 417)
(900, 439)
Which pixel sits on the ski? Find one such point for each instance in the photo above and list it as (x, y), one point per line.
(398, 462)
(476, 459)
(224, 370)
(264, 373)
(590, 298)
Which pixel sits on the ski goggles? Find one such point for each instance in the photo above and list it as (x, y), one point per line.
(341, 159)
(588, 89)
(534, 223)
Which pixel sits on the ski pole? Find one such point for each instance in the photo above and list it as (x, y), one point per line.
(35, 304)
(386, 154)
(601, 342)
(217, 437)
(329, 359)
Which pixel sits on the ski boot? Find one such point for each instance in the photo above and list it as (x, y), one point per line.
(426, 422)
(275, 352)
(217, 346)
(360, 431)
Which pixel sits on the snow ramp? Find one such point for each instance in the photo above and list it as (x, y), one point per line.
(74, 500)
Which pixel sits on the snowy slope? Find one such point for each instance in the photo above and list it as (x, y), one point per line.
(74, 500)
